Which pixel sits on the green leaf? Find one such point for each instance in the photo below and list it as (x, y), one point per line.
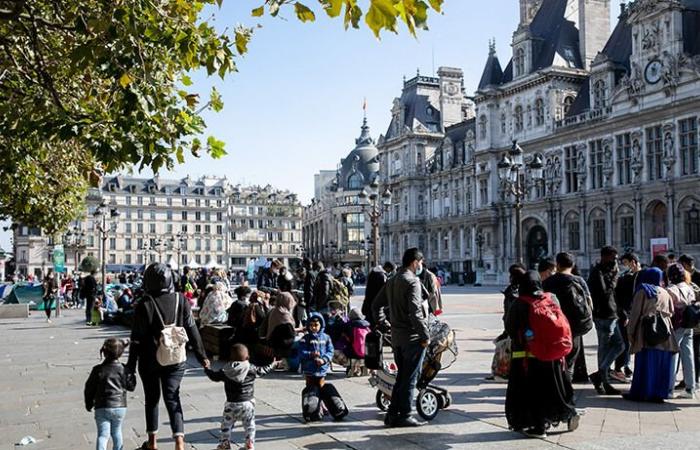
(215, 147)
(192, 100)
(186, 80)
(258, 12)
(381, 15)
(332, 7)
(215, 100)
(436, 5)
(242, 37)
(304, 13)
(125, 80)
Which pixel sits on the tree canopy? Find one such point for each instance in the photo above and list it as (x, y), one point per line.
(95, 86)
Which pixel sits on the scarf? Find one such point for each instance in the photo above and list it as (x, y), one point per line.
(281, 314)
(650, 280)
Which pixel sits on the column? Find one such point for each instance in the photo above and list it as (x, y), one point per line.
(638, 223)
(609, 220)
(671, 217)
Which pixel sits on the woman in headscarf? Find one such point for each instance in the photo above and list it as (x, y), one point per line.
(215, 305)
(539, 392)
(280, 331)
(654, 372)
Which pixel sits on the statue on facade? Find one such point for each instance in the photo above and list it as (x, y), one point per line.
(637, 163)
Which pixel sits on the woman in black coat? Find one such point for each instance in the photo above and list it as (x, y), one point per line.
(161, 306)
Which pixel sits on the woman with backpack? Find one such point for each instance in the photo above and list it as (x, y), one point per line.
(163, 324)
(539, 394)
(651, 339)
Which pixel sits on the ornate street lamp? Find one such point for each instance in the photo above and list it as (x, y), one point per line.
(104, 213)
(509, 168)
(181, 240)
(374, 205)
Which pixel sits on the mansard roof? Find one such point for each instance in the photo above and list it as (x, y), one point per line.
(554, 35)
(618, 49)
(417, 108)
(582, 103)
(691, 27)
(493, 74)
(458, 131)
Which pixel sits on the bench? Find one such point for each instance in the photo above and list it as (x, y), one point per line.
(14, 311)
(217, 340)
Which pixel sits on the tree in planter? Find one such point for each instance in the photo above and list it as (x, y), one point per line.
(96, 86)
(89, 264)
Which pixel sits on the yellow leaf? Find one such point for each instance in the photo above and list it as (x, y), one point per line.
(257, 12)
(125, 80)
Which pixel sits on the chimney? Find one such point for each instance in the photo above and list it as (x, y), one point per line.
(593, 28)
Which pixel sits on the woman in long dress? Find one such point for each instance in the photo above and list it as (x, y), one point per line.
(654, 372)
(539, 393)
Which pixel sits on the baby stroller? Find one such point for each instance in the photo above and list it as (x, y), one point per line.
(441, 354)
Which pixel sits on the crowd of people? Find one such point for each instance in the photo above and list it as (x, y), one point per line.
(645, 313)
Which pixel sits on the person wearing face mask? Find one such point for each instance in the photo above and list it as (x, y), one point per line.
(601, 283)
(624, 293)
(409, 334)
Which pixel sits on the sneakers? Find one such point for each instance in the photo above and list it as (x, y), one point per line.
(609, 390)
(628, 372)
(407, 422)
(48, 321)
(597, 381)
(619, 376)
(686, 394)
(574, 422)
(224, 445)
(535, 432)
(680, 386)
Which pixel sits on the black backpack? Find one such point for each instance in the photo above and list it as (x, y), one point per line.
(576, 308)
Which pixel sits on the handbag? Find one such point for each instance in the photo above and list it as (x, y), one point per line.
(655, 330)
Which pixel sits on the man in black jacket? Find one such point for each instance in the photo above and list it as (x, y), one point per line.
(602, 282)
(624, 293)
(309, 281)
(375, 282)
(409, 334)
(689, 265)
(322, 288)
(88, 291)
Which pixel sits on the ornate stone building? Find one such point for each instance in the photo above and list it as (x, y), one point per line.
(335, 226)
(613, 115)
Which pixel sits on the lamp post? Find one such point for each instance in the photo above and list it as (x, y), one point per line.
(146, 249)
(103, 212)
(75, 238)
(480, 262)
(509, 173)
(374, 205)
(160, 245)
(181, 239)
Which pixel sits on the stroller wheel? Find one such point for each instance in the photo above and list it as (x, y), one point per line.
(427, 404)
(382, 401)
(445, 400)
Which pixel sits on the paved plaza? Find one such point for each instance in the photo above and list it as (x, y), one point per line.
(44, 368)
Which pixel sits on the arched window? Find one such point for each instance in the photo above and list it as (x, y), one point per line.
(421, 205)
(692, 226)
(539, 112)
(568, 101)
(599, 95)
(519, 60)
(518, 118)
(482, 127)
(355, 181)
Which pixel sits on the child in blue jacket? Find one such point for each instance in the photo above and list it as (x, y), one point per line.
(315, 351)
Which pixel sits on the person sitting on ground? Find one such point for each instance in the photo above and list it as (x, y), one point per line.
(236, 311)
(215, 306)
(105, 390)
(279, 329)
(653, 363)
(238, 377)
(125, 300)
(315, 351)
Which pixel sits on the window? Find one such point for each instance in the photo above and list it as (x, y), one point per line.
(627, 231)
(184, 202)
(219, 217)
(355, 181)
(169, 228)
(112, 258)
(184, 228)
(219, 229)
(207, 245)
(596, 164)
(503, 124)
(574, 235)
(484, 192)
(197, 244)
(184, 215)
(151, 227)
(539, 112)
(624, 159)
(153, 215)
(219, 245)
(654, 153)
(599, 95)
(169, 215)
(692, 226)
(127, 244)
(518, 118)
(207, 229)
(482, 127)
(139, 214)
(197, 215)
(598, 233)
(519, 61)
(128, 200)
(128, 227)
(139, 200)
(568, 102)
(112, 243)
(197, 202)
(127, 258)
(207, 216)
(139, 228)
(169, 201)
(197, 229)
(571, 171)
(689, 146)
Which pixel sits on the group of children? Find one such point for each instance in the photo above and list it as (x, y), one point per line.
(106, 387)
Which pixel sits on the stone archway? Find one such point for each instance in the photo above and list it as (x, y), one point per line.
(536, 246)
(656, 220)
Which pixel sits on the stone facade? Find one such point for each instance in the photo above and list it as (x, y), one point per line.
(195, 222)
(618, 133)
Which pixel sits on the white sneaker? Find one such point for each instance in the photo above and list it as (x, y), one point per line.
(48, 321)
(686, 394)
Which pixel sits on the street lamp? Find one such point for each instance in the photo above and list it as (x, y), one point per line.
(160, 245)
(509, 168)
(75, 238)
(103, 212)
(181, 239)
(146, 249)
(374, 205)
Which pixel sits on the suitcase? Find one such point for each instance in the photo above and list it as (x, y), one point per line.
(373, 350)
(311, 404)
(333, 402)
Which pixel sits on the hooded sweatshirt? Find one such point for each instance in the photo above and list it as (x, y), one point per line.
(313, 343)
(239, 379)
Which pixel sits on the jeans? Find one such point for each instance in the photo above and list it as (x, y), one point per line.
(155, 377)
(109, 423)
(89, 304)
(684, 337)
(576, 348)
(409, 362)
(623, 360)
(610, 345)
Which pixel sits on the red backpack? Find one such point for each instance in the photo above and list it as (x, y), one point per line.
(359, 337)
(551, 338)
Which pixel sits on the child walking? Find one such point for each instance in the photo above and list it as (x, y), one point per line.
(239, 384)
(105, 390)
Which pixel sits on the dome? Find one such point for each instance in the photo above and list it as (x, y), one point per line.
(361, 166)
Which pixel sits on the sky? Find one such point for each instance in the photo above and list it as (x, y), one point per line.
(295, 106)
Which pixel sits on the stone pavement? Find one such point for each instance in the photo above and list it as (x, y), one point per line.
(44, 368)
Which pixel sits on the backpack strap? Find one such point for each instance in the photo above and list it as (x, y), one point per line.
(160, 315)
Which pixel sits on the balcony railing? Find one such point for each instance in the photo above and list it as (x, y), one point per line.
(593, 115)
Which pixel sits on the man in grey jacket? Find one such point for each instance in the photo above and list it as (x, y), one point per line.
(408, 314)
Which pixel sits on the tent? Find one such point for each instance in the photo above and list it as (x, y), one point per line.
(172, 263)
(192, 264)
(212, 265)
(27, 294)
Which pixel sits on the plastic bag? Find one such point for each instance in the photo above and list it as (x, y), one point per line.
(500, 366)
